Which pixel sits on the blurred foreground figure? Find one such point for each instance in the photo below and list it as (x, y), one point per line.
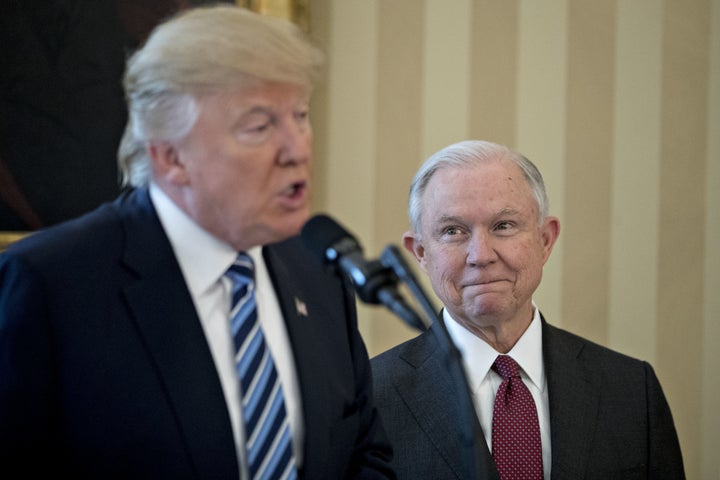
(180, 332)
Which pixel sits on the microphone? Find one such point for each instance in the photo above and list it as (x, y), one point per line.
(374, 282)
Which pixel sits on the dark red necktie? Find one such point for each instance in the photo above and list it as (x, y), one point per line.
(516, 445)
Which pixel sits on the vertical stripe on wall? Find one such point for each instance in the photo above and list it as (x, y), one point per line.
(710, 419)
(399, 108)
(351, 118)
(493, 71)
(682, 213)
(590, 90)
(399, 127)
(540, 129)
(350, 135)
(446, 74)
(635, 165)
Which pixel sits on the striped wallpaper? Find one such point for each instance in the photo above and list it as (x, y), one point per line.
(617, 102)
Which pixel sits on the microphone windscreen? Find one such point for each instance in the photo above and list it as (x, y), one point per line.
(321, 233)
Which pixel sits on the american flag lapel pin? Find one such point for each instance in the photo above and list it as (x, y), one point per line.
(301, 308)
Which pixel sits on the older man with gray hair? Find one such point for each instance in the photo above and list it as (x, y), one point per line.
(549, 404)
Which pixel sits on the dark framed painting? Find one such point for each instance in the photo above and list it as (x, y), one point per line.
(62, 107)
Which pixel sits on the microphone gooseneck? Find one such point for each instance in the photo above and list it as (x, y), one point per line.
(374, 282)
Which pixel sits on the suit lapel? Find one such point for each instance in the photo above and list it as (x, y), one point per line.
(437, 409)
(167, 321)
(573, 392)
(302, 320)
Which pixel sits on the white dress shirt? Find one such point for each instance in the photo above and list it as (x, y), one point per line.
(203, 260)
(478, 357)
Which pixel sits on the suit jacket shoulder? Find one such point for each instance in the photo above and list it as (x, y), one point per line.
(107, 366)
(422, 408)
(609, 417)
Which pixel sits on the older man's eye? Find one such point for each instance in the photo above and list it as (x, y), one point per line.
(258, 128)
(505, 227)
(256, 132)
(302, 115)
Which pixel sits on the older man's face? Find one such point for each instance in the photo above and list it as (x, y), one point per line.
(247, 164)
(481, 244)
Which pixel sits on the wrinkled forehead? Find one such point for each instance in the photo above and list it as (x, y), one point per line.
(497, 172)
(495, 185)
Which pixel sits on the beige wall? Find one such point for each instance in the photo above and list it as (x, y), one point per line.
(618, 102)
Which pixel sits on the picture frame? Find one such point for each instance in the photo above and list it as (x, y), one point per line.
(7, 238)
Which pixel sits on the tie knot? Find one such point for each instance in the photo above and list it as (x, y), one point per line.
(242, 276)
(242, 270)
(506, 367)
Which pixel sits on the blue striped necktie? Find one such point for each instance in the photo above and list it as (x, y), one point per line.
(267, 433)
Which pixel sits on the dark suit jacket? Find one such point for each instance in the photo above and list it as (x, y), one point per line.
(608, 415)
(105, 370)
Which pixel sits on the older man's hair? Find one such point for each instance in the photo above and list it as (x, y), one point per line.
(203, 51)
(466, 154)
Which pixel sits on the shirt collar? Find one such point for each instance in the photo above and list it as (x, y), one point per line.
(527, 352)
(478, 356)
(203, 258)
